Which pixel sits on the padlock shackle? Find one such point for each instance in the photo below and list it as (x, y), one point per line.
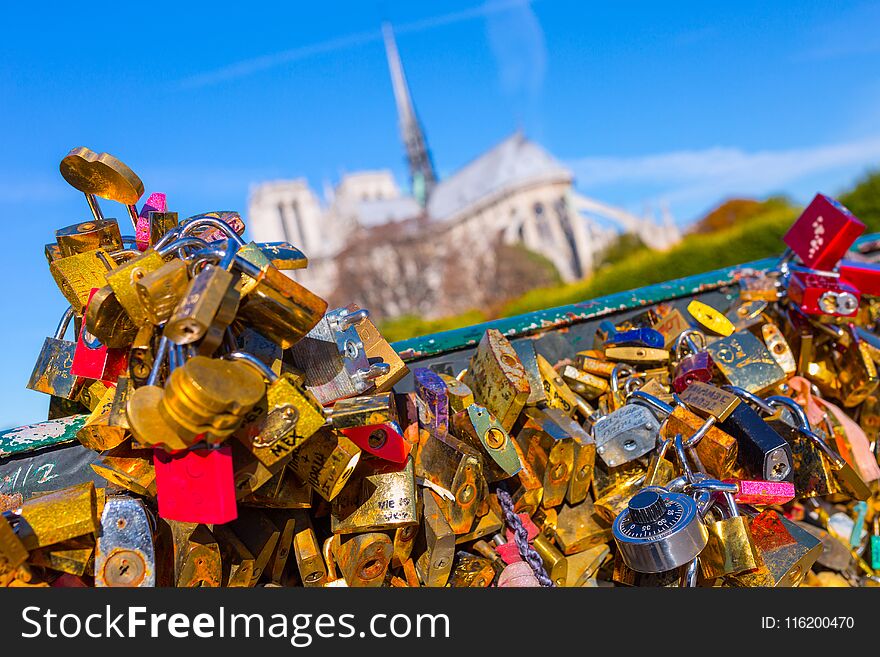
(686, 338)
(806, 430)
(617, 370)
(254, 362)
(161, 353)
(643, 398)
(751, 398)
(190, 225)
(64, 323)
(180, 243)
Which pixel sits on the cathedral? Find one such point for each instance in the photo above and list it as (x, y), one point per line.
(400, 253)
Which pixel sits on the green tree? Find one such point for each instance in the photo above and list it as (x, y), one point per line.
(863, 200)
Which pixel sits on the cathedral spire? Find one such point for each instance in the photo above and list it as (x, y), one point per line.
(421, 168)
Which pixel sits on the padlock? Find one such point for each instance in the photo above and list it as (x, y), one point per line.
(554, 561)
(74, 557)
(325, 461)
(79, 274)
(156, 203)
(498, 379)
(762, 493)
(236, 560)
(487, 525)
(659, 531)
(196, 555)
(460, 396)
(435, 544)
(586, 361)
(101, 174)
(363, 559)
(378, 497)
(207, 399)
(13, 553)
(209, 298)
(97, 433)
(786, 550)
(823, 233)
(89, 235)
(377, 350)
(856, 372)
(107, 321)
(58, 516)
(432, 400)
(745, 362)
(283, 490)
(578, 529)
(874, 544)
(695, 365)
(333, 359)
(583, 383)
(637, 355)
(282, 420)
(52, 373)
(454, 469)
(220, 226)
(471, 571)
(284, 310)
(93, 360)
(285, 524)
(835, 554)
(625, 434)
(557, 394)
(122, 280)
(822, 294)
(124, 554)
(309, 561)
(259, 535)
(729, 549)
(550, 452)
(196, 485)
(779, 348)
(709, 318)
(846, 475)
(478, 428)
(135, 474)
(635, 337)
(161, 290)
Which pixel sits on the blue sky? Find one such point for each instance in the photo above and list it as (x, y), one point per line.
(649, 103)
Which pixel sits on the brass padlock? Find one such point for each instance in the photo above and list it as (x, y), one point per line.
(195, 554)
(549, 451)
(51, 373)
(135, 474)
(259, 535)
(309, 561)
(161, 290)
(578, 528)
(325, 461)
(58, 516)
(745, 362)
(379, 496)
(210, 300)
(89, 235)
(97, 433)
(477, 427)
(729, 549)
(123, 278)
(471, 571)
(237, 561)
(363, 559)
(498, 378)
(435, 545)
(79, 274)
(107, 321)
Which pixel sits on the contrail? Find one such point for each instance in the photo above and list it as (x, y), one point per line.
(250, 66)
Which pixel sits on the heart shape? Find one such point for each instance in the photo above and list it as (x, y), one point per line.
(101, 174)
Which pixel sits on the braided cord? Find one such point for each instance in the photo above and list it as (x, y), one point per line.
(521, 538)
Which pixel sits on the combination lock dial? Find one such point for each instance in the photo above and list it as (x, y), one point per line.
(659, 531)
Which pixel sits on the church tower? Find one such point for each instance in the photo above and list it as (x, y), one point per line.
(421, 168)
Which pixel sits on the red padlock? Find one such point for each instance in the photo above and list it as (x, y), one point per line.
(382, 440)
(696, 365)
(92, 360)
(864, 276)
(823, 294)
(196, 485)
(823, 233)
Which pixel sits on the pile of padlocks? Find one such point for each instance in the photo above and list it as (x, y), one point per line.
(239, 422)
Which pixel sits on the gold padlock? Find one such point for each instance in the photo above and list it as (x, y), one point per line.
(497, 378)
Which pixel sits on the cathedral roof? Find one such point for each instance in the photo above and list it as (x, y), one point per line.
(514, 162)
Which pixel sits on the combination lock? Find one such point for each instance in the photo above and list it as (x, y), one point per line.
(659, 531)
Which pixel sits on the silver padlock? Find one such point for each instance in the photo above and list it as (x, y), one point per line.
(625, 434)
(124, 554)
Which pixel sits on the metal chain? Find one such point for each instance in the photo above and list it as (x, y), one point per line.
(521, 538)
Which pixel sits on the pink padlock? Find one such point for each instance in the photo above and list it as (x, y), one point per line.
(762, 493)
(156, 203)
(196, 485)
